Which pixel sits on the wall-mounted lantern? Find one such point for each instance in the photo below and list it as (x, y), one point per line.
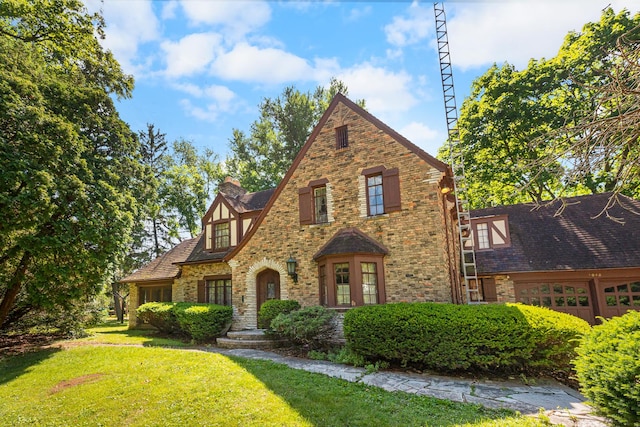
(291, 268)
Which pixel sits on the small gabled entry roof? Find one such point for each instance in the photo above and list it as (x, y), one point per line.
(350, 241)
(573, 236)
(163, 267)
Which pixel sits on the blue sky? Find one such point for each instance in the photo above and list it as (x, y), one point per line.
(202, 67)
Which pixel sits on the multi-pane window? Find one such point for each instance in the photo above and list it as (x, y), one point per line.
(342, 137)
(320, 204)
(375, 200)
(627, 295)
(324, 298)
(343, 290)
(222, 235)
(483, 235)
(369, 283)
(154, 294)
(219, 291)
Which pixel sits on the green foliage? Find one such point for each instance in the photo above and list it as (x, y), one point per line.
(451, 337)
(70, 172)
(608, 368)
(261, 159)
(160, 315)
(311, 326)
(529, 135)
(270, 310)
(203, 322)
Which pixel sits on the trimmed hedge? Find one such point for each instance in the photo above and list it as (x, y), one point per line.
(608, 368)
(159, 315)
(449, 337)
(201, 322)
(270, 309)
(311, 326)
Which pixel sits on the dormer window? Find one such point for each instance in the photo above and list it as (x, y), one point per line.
(490, 232)
(222, 232)
(342, 137)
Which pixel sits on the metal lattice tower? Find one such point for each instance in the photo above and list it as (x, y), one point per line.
(456, 160)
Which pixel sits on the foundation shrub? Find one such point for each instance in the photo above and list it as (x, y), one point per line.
(269, 310)
(309, 326)
(160, 315)
(203, 322)
(608, 368)
(450, 337)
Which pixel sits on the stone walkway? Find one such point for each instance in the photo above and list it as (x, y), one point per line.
(562, 404)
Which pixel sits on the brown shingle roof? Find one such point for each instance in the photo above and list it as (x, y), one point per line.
(249, 202)
(573, 240)
(350, 241)
(163, 267)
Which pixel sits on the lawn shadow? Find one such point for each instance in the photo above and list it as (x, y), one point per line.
(323, 400)
(16, 364)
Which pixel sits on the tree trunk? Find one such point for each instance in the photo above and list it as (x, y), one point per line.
(13, 288)
(117, 302)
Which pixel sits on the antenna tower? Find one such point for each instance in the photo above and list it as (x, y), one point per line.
(456, 161)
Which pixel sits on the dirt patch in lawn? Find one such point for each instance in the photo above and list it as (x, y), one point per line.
(62, 385)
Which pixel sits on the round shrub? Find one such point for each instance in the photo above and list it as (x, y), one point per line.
(450, 337)
(608, 368)
(310, 326)
(159, 315)
(270, 309)
(203, 322)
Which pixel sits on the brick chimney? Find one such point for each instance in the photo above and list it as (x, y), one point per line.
(231, 187)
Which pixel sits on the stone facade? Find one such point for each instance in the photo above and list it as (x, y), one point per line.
(418, 265)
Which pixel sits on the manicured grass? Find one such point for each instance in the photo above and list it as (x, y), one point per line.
(112, 332)
(151, 386)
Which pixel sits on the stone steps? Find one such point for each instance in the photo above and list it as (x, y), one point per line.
(254, 338)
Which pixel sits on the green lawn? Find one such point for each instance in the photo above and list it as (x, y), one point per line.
(134, 385)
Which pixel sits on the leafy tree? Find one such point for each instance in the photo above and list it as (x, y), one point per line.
(526, 135)
(188, 183)
(260, 160)
(70, 170)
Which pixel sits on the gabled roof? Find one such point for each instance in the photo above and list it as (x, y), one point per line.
(350, 241)
(574, 239)
(163, 267)
(199, 254)
(339, 98)
(249, 202)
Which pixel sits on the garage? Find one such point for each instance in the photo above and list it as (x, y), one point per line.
(616, 298)
(567, 297)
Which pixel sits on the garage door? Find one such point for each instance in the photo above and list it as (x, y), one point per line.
(617, 299)
(573, 298)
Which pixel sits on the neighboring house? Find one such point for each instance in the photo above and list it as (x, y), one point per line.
(360, 218)
(566, 255)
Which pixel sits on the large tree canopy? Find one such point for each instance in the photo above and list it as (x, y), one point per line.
(70, 170)
(260, 160)
(536, 134)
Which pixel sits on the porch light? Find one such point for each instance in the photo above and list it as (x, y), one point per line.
(446, 189)
(291, 268)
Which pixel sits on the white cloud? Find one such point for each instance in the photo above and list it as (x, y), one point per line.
(415, 26)
(217, 99)
(169, 9)
(252, 64)
(129, 25)
(483, 33)
(357, 14)
(191, 54)
(421, 135)
(237, 17)
(385, 91)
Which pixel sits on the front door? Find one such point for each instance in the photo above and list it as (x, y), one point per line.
(268, 282)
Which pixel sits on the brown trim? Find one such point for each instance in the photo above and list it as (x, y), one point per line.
(376, 170)
(202, 291)
(355, 277)
(318, 182)
(339, 98)
(489, 292)
(391, 190)
(305, 205)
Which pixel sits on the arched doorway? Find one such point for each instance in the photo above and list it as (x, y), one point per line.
(268, 286)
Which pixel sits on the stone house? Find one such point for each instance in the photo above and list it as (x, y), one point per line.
(361, 218)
